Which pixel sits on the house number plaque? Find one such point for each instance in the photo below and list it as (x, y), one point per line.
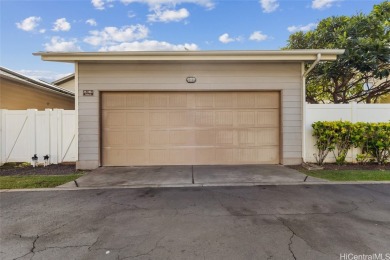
(87, 92)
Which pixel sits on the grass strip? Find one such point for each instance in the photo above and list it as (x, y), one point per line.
(35, 181)
(351, 175)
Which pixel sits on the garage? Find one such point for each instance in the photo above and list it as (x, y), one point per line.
(137, 108)
(190, 128)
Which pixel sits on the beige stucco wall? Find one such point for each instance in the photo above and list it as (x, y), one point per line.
(17, 96)
(69, 85)
(284, 77)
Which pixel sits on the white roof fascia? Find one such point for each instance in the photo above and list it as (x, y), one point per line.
(283, 55)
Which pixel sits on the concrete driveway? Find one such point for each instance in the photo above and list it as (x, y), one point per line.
(191, 176)
(260, 222)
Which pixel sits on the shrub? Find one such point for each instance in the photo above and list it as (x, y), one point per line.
(324, 132)
(374, 140)
(343, 132)
(339, 137)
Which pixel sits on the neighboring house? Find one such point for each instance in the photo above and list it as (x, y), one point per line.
(190, 108)
(19, 92)
(67, 82)
(385, 99)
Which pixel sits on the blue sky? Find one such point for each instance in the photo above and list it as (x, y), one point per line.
(126, 25)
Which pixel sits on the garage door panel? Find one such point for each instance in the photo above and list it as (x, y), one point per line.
(158, 100)
(225, 100)
(114, 138)
(136, 138)
(204, 118)
(137, 156)
(267, 136)
(157, 118)
(204, 156)
(204, 100)
(225, 156)
(181, 137)
(159, 137)
(267, 100)
(115, 156)
(246, 118)
(268, 155)
(204, 137)
(224, 137)
(177, 128)
(181, 156)
(181, 118)
(224, 118)
(114, 119)
(247, 137)
(159, 157)
(177, 100)
(247, 155)
(136, 118)
(267, 118)
(136, 100)
(114, 101)
(246, 100)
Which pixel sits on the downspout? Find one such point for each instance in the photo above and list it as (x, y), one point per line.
(318, 59)
(304, 74)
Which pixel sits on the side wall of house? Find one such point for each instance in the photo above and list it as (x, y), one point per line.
(235, 76)
(16, 96)
(69, 85)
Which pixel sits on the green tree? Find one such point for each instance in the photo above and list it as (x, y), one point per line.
(360, 74)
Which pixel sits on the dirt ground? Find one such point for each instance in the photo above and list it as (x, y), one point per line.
(22, 169)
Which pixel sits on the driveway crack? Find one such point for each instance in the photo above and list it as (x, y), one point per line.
(290, 240)
(148, 252)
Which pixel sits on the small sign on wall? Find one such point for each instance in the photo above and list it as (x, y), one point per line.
(87, 92)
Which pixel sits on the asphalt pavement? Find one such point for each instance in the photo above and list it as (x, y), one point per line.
(256, 222)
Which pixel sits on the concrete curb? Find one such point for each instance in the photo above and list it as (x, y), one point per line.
(197, 185)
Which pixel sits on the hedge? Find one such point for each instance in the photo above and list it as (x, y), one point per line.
(340, 136)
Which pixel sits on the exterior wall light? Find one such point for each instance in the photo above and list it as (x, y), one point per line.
(191, 79)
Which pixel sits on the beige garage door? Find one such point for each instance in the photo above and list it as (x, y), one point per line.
(190, 128)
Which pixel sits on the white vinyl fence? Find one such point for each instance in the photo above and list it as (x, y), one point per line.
(352, 112)
(24, 133)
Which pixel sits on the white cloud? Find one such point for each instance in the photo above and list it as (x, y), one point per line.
(113, 35)
(43, 75)
(61, 25)
(150, 46)
(258, 36)
(91, 22)
(131, 14)
(168, 15)
(155, 4)
(225, 38)
(322, 4)
(58, 44)
(42, 30)
(29, 24)
(269, 5)
(303, 28)
(98, 4)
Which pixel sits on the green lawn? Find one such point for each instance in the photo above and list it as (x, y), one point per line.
(350, 175)
(35, 181)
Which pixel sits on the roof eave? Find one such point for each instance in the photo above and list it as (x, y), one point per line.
(291, 55)
(37, 86)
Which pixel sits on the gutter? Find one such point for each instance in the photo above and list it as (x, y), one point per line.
(318, 59)
(304, 75)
